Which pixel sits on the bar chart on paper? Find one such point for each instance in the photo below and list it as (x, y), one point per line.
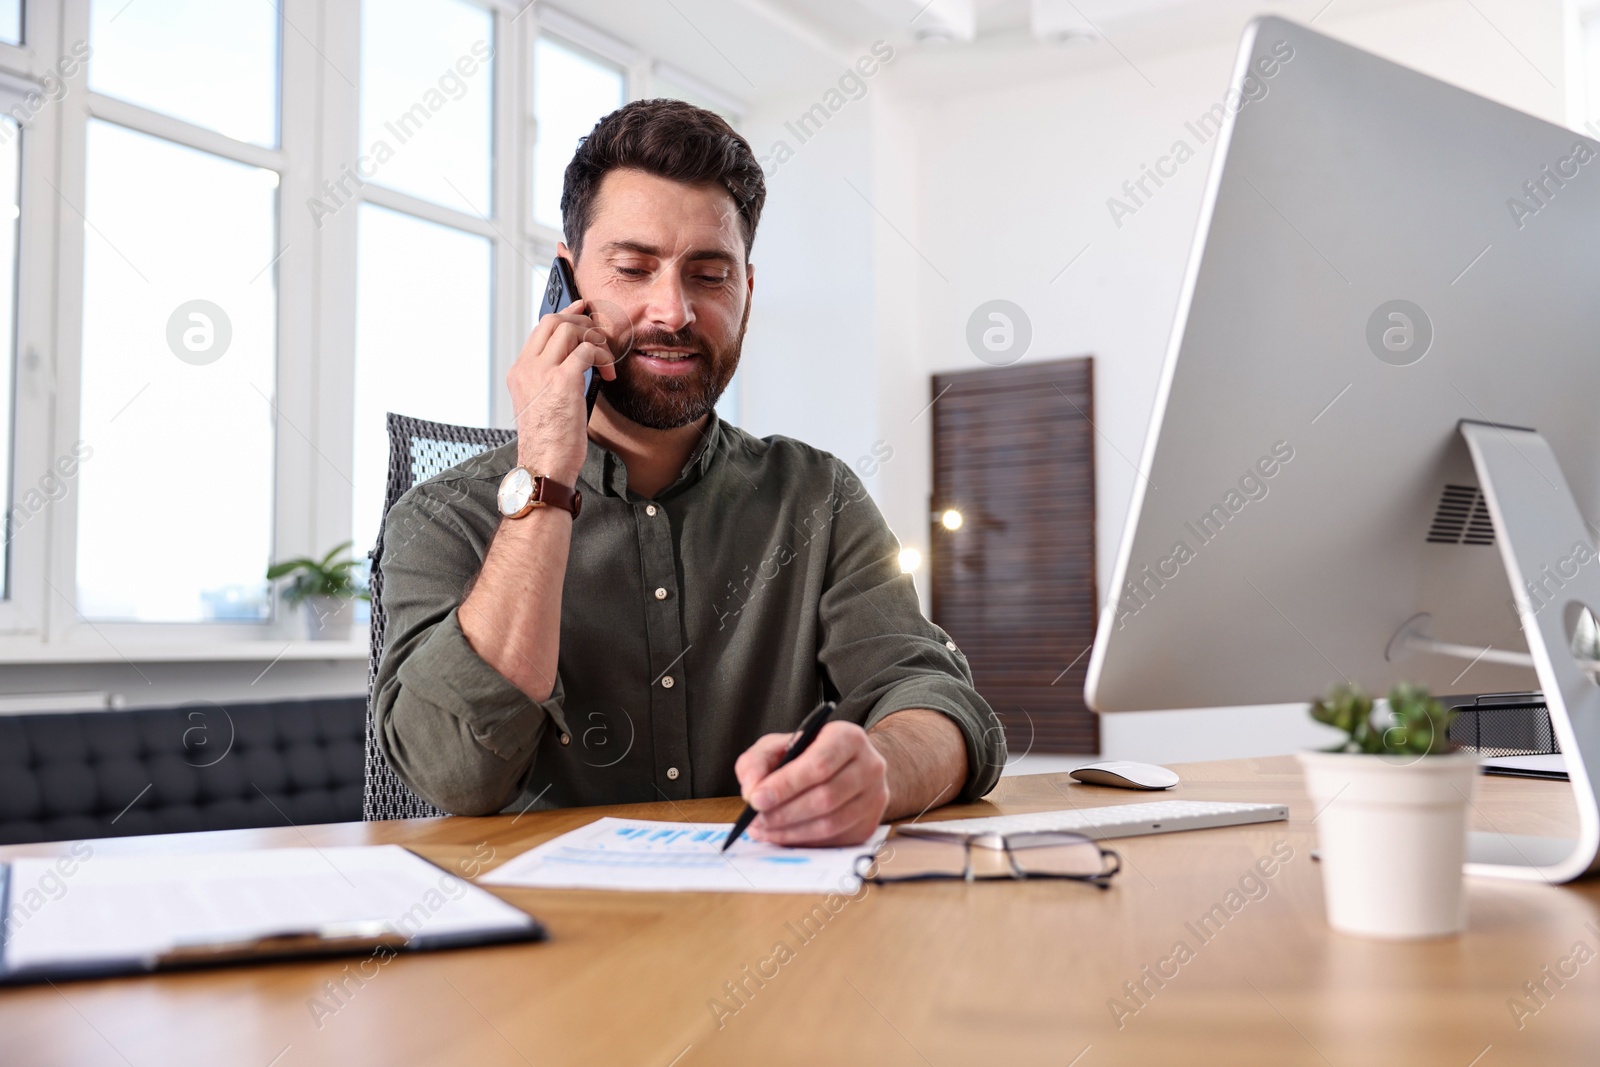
(653, 856)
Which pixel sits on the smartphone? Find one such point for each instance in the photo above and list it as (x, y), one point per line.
(560, 292)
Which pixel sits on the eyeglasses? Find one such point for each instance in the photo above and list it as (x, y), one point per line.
(913, 857)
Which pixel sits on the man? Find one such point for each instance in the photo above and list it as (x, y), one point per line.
(661, 638)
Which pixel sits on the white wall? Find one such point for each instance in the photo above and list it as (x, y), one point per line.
(145, 685)
(810, 369)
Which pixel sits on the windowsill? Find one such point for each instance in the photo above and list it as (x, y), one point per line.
(22, 651)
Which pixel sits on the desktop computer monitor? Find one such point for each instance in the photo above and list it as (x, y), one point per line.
(1377, 432)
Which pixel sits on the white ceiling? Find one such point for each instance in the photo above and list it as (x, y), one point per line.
(869, 19)
(754, 49)
(745, 49)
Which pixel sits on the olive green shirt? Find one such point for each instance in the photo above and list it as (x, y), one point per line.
(725, 608)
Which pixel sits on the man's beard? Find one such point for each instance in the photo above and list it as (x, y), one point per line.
(666, 402)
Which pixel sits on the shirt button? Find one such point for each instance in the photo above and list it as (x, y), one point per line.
(650, 509)
(661, 594)
(566, 739)
(672, 773)
(667, 682)
(951, 645)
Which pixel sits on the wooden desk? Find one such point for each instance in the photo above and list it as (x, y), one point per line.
(914, 975)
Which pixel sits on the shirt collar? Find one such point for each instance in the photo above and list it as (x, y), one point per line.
(604, 470)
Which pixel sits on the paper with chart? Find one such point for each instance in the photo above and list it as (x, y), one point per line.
(638, 854)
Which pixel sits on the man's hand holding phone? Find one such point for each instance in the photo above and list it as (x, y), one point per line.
(512, 615)
(547, 390)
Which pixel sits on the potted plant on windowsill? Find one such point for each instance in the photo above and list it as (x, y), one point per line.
(327, 587)
(1392, 815)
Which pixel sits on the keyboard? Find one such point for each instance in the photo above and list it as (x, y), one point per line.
(1118, 820)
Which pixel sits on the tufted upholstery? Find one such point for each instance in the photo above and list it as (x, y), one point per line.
(200, 766)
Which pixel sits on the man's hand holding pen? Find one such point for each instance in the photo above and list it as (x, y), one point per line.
(834, 793)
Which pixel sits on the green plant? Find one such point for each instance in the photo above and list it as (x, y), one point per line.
(324, 577)
(1420, 724)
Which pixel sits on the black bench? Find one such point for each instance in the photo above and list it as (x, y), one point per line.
(198, 766)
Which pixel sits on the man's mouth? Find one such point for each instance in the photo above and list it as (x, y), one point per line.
(668, 360)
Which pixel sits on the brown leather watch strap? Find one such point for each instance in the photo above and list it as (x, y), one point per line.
(551, 493)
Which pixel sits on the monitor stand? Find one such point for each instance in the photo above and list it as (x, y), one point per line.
(1537, 525)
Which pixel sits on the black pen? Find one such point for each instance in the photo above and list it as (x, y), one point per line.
(810, 727)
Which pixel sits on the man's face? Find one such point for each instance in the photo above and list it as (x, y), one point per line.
(666, 261)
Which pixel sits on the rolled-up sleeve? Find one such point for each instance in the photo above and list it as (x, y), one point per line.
(457, 732)
(881, 653)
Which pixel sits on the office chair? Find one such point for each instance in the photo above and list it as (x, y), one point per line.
(418, 450)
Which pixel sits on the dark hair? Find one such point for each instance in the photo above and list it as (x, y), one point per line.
(672, 140)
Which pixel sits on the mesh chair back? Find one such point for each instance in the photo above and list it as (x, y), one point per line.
(418, 450)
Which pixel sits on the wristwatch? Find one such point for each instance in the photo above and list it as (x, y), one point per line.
(521, 491)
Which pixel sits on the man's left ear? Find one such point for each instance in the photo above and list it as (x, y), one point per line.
(750, 279)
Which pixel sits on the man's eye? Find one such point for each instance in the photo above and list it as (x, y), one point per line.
(631, 272)
(712, 279)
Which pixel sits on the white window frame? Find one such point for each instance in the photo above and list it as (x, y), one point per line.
(66, 631)
(37, 374)
(32, 382)
(320, 43)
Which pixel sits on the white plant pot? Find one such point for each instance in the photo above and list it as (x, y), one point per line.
(328, 617)
(1392, 835)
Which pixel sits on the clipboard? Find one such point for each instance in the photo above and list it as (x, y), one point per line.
(92, 916)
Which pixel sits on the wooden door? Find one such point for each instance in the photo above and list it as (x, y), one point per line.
(1014, 585)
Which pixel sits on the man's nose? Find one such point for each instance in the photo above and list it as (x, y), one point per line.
(668, 306)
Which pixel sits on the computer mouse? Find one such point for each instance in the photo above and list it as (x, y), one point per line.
(1126, 774)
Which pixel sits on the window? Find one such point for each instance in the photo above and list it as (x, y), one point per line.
(10, 218)
(425, 282)
(179, 354)
(11, 21)
(540, 275)
(229, 243)
(179, 359)
(211, 65)
(572, 91)
(422, 340)
(426, 96)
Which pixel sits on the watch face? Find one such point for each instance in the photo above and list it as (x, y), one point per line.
(516, 489)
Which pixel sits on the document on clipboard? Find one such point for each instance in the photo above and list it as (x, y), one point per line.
(107, 915)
